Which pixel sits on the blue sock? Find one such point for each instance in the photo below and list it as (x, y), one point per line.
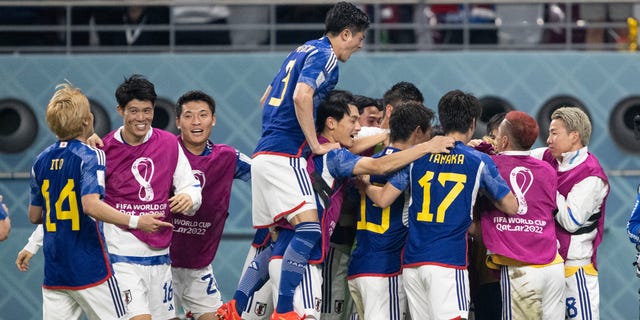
(295, 261)
(253, 278)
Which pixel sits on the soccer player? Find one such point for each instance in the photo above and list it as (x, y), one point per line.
(375, 274)
(524, 247)
(67, 184)
(337, 122)
(279, 182)
(443, 190)
(196, 238)
(583, 188)
(146, 166)
(5, 222)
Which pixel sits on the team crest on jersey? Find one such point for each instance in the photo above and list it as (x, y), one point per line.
(127, 297)
(142, 170)
(199, 175)
(260, 309)
(337, 306)
(318, 304)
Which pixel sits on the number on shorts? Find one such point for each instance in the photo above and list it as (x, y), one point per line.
(212, 287)
(277, 101)
(68, 193)
(443, 177)
(168, 292)
(385, 217)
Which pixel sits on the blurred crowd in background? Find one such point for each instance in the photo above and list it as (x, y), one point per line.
(590, 26)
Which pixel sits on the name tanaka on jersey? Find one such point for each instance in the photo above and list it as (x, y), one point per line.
(447, 158)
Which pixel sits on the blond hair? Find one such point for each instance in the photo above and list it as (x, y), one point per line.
(574, 120)
(66, 111)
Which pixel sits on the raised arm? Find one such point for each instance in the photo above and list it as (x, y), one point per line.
(397, 160)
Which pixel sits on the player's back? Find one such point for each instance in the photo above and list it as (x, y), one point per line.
(314, 64)
(443, 191)
(380, 234)
(75, 254)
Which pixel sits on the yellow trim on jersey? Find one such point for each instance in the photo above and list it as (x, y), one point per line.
(494, 261)
(588, 269)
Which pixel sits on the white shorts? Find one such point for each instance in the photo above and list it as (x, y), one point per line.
(435, 292)
(379, 298)
(535, 293)
(100, 302)
(334, 283)
(195, 291)
(146, 289)
(280, 188)
(582, 295)
(260, 304)
(307, 299)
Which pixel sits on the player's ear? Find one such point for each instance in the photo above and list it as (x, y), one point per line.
(213, 123)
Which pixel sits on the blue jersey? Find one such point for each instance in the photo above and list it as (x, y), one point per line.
(380, 234)
(633, 226)
(444, 188)
(74, 248)
(314, 64)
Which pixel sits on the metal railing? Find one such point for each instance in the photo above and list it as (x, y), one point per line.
(71, 27)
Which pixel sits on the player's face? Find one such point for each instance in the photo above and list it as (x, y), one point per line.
(137, 116)
(195, 123)
(560, 141)
(351, 43)
(370, 117)
(348, 128)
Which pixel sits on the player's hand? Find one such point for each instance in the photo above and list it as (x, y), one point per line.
(151, 223)
(22, 261)
(325, 147)
(362, 182)
(474, 142)
(95, 141)
(180, 203)
(439, 144)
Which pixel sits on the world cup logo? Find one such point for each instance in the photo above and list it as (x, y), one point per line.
(142, 170)
(521, 180)
(199, 175)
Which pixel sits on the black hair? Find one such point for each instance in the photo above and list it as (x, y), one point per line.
(402, 91)
(336, 106)
(345, 15)
(135, 87)
(362, 102)
(494, 122)
(406, 117)
(195, 95)
(457, 111)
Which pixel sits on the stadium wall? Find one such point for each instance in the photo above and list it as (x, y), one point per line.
(604, 84)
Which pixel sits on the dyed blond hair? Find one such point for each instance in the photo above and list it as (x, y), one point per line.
(66, 111)
(575, 120)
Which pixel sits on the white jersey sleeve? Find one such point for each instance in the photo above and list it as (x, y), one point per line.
(35, 240)
(185, 182)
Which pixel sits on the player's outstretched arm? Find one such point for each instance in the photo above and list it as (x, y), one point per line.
(99, 210)
(508, 204)
(397, 160)
(382, 196)
(362, 144)
(95, 141)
